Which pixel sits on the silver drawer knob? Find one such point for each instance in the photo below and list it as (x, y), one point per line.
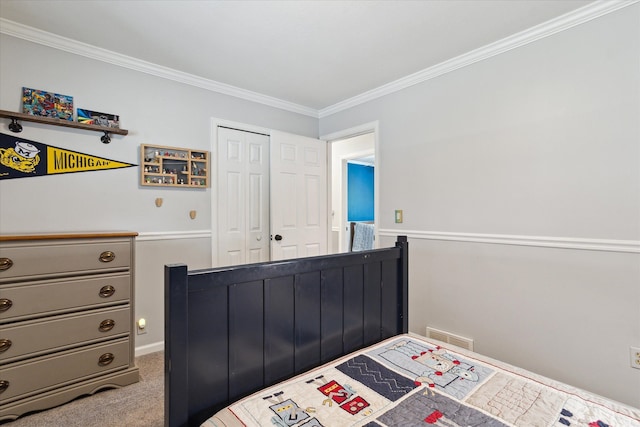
(4, 384)
(5, 304)
(5, 264)
(5, 345)
(107, 325)
(107, 291)
(107, 256)
(105, 359)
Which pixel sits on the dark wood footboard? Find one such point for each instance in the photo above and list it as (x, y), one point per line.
(232, 331)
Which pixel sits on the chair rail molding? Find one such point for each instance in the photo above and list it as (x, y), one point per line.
(605, 245)
(173, 235)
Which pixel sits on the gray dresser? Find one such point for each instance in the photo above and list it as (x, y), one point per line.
(66, 318)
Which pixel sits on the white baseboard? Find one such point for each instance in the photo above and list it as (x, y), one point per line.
(149, 348)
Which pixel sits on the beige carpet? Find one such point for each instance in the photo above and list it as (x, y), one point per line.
(137, 405)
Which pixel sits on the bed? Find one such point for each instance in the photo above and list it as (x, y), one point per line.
(232, 331)
(335, 328)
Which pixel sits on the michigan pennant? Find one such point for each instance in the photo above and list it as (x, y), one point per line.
(21, 158)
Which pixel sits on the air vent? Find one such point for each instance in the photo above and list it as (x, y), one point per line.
(450, 338)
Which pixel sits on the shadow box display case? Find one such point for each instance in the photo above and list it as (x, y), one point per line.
(163, 166)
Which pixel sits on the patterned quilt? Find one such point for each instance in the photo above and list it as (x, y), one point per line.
(408, 381)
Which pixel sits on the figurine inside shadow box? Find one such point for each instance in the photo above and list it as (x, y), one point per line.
(96, 118)
(47, 104)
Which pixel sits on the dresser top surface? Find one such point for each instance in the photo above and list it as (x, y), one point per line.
(66, 235)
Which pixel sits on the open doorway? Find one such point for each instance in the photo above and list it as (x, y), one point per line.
(353, 155)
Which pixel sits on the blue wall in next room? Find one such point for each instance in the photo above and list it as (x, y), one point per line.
(360, 192)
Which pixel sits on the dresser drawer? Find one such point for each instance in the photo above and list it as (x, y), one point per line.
(29, 260)
(37, 375)
(36, 337)
(34, 299)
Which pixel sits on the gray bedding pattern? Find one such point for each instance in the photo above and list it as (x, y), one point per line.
(430, 408)
(409, 381)
(375, 376)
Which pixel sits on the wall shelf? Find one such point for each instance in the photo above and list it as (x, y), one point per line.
(15, 127)
(173, 167)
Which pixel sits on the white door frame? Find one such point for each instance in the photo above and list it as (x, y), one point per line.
(213, 164)
(371, 127)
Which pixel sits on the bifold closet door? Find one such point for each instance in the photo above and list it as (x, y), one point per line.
(243, 197)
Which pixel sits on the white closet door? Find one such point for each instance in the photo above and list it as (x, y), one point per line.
(243, 197)
(298, 196)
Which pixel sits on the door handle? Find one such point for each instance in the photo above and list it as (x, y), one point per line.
(278, 237)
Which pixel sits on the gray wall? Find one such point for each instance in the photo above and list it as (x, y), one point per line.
(492, 164)
(155, 111)
(496, 163)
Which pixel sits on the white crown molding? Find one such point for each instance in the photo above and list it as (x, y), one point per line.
(34, 35)
(626, 246)
(172, 235)
(546, 29)
(569, 20)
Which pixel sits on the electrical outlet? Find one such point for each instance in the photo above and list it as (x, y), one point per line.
(634, 353)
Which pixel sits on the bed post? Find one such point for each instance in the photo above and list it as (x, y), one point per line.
(403, 244)
(176, 346)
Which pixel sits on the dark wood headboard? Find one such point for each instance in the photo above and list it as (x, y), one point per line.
(231, 331)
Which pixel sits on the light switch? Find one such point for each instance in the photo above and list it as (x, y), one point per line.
(398, 216)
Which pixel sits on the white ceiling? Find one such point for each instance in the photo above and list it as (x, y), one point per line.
(311, 53)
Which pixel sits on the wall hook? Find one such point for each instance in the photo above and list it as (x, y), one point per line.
(14, 126)
(105, 138)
